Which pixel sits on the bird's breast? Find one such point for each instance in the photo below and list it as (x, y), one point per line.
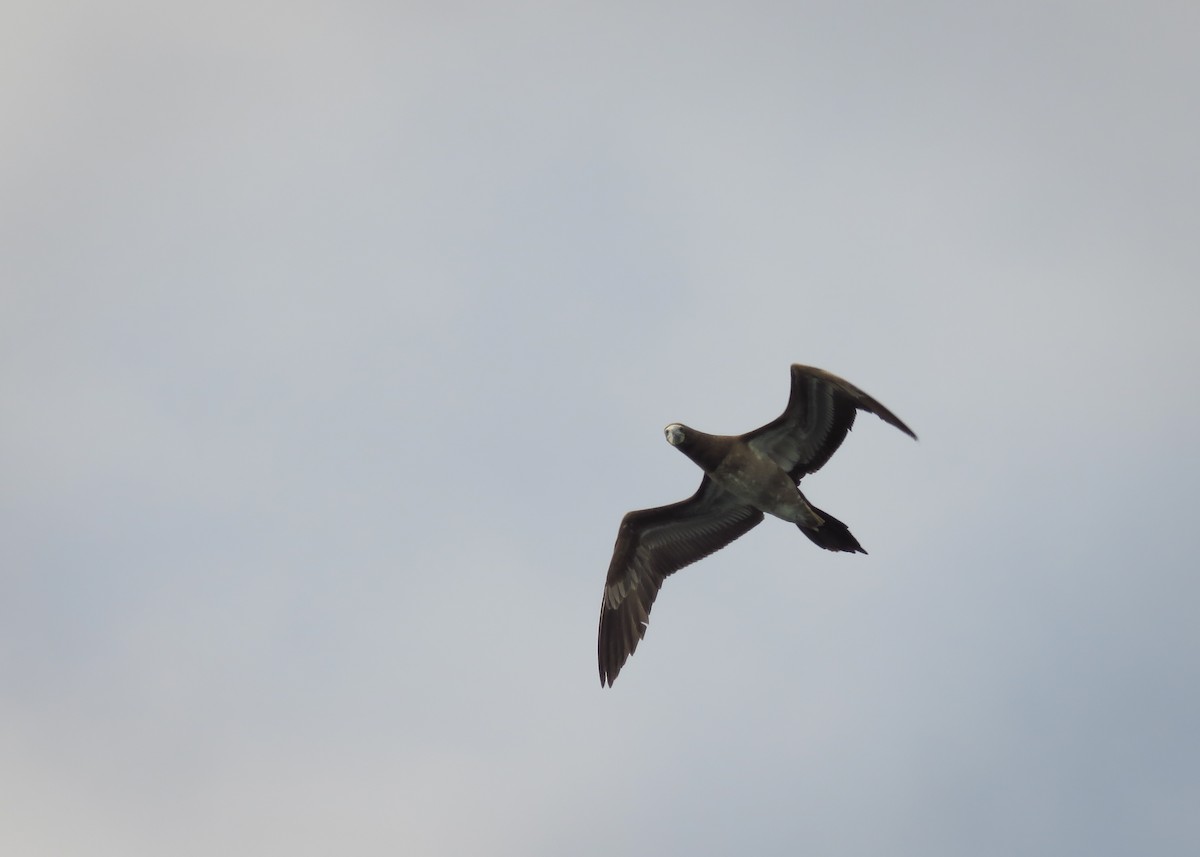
(759, 482)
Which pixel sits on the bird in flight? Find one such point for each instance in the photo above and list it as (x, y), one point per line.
(745, 477)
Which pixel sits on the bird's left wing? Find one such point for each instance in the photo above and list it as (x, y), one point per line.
(820, 411)
(652, 544)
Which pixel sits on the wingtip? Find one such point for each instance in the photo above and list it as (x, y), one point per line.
(893, 420)
(862, 400)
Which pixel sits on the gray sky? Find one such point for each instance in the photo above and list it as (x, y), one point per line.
(337, 338)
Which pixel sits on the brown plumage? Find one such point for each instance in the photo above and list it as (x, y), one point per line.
(745, 477)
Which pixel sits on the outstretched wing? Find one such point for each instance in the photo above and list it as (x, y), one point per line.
(655, 543)
(819, 413)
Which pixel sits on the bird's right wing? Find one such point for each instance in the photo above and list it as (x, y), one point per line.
(652, 544)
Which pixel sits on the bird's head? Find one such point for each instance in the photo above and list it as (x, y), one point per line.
(675, 433)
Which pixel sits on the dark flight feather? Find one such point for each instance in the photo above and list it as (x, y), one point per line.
(653, 544)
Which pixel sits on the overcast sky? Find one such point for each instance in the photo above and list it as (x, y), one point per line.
(336, 338)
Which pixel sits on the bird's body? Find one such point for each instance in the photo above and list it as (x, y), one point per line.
(756, 480)
(746, 476)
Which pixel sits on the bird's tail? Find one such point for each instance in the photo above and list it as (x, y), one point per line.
(833, 535)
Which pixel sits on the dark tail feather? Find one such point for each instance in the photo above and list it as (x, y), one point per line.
(833, 535)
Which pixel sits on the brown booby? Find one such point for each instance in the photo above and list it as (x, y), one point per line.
(745, 476)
